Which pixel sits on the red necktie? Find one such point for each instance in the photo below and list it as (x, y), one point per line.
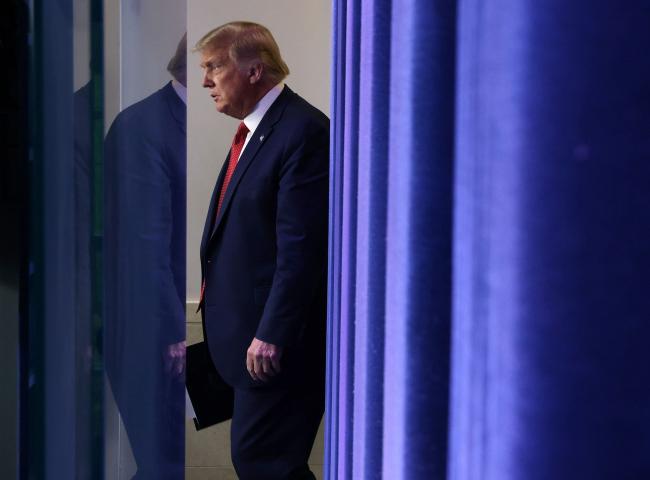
(235, 152)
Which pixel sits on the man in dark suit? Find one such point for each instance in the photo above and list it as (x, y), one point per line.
(144, 246)
(264, 254)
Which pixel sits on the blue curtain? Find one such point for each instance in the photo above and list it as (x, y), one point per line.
(490, 240)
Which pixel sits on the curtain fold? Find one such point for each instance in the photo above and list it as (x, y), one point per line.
(340, 338)
(490, 240)
(372, 183)
(418, 237)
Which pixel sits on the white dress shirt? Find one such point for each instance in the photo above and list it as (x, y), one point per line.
(253, 119)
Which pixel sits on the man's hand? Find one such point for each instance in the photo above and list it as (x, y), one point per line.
(175, 359)
(263, 360)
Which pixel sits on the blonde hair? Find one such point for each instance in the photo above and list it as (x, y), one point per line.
(247, 41)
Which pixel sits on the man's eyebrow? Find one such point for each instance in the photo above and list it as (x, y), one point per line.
(211, 62)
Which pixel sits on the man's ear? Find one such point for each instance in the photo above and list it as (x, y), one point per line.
(255, 72)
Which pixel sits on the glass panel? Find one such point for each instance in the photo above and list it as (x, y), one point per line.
(61, 408)
(144, 241)
(102, 388)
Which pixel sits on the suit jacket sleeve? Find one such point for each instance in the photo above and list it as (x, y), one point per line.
(301, 237)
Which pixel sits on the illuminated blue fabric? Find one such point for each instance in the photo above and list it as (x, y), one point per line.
(490, 240)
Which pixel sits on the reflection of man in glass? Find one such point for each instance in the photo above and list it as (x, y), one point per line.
(145, 202)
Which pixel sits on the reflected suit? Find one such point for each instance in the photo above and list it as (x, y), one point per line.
(264, 262)
(145, 204)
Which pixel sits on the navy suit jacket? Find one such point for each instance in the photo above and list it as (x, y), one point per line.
(144, 241)
(264, 258)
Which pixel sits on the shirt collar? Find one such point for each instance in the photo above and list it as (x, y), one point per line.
(180, 90)
(254, 118)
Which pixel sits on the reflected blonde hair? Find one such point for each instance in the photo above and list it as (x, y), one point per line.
(247, 41)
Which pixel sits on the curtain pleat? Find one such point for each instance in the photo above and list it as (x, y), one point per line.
(330, 459)
(418, 271)
(371, 239)
(349, 233)
(489, 241)
(342, 260)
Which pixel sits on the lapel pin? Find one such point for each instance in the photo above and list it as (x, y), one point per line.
(262, 138)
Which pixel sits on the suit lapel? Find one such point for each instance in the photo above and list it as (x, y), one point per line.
(255, 144)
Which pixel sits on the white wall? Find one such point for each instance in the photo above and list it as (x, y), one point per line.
(140, 36)
(150, 32)
(81, 42)
(302, 29)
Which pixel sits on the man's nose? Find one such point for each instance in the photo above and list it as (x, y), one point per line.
(207, 82)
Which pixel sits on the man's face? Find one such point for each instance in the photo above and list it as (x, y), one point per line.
(229, 85)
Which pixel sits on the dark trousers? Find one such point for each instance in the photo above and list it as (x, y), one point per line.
(273, 431)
